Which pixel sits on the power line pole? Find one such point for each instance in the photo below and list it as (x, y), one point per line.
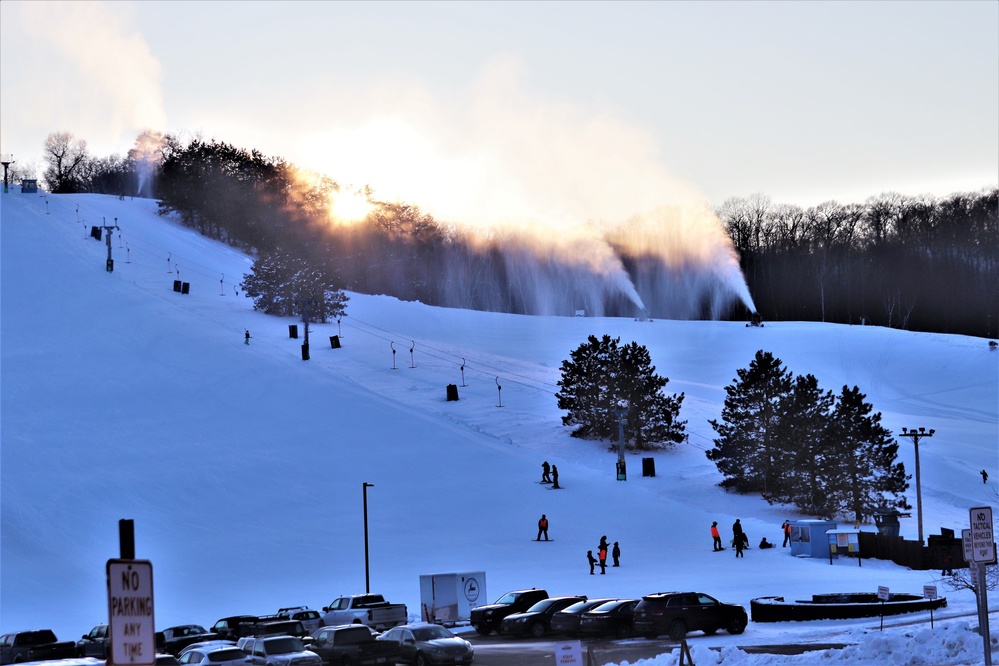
(915, 436)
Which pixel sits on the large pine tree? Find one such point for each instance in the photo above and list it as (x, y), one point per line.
(804, 441)
(600, 376)
(862, 468)
(748, 447)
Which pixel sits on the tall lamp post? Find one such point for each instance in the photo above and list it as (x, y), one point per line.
(915, 436)
(367, 577)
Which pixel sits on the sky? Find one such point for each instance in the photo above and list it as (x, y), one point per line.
(242, 465)
(497, 111)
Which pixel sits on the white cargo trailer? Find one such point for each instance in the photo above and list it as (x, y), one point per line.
(448, 598)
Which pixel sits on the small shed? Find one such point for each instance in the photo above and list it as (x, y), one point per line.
(808, 537)
(29, 186)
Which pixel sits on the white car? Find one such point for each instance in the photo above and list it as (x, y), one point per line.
(309, 618)
(278, 651)
(228, 655)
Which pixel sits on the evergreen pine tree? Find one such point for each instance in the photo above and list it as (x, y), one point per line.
(599, 375)
(804, 445)
(862, 469)
(747, 448)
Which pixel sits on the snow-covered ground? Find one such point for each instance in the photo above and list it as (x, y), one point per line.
(242, 465)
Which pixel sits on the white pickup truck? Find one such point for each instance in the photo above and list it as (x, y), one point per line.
(369, 609)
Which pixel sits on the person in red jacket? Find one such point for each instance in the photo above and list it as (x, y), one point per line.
(542, 527)
(786, 527)
(716, 536)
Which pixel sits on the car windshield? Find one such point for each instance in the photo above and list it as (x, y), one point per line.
(508, 598)
(607, 607)
(431, 633)
(283, 645)
(226, 654)
(542, 606)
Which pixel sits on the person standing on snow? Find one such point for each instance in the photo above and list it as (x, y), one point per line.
(738, 537)
(543, 527)
(616, 554)
(555, 478)
(246, 337)
(602, 554)
(716, 537)
(786, 527)
(546, 472)
(592, 560)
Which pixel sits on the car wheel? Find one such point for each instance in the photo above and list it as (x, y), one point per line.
(420, 660)
(623, 631)
(346, 661)
(483, 630)
(537, 630)
(736, 625)
(678, 630)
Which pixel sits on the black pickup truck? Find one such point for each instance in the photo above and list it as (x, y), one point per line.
(487, 619)
(353, 644)
(38, 645)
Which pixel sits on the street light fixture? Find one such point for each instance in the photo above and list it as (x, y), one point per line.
(916, 435)
(367, 577)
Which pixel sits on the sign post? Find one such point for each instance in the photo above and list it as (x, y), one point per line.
(983, 552)
(130, 613)
(883, 596)
(930, 592)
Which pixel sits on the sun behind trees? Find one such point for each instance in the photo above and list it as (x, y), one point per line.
(787, 439)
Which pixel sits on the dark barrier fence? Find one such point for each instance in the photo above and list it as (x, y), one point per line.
(911, 553)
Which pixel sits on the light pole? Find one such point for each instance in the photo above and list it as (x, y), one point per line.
(916, 436)
(367, 577)
(621, 411)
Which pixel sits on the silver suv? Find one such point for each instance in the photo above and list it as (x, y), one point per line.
(278, 651)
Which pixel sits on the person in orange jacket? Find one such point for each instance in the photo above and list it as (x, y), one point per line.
(543, 527)
(716, 536)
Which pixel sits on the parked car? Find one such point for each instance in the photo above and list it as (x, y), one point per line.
(353, 645)
(676, 613)
(422, 643)
(370, 609)
(536, 620)
(205, 645)
(94, 644)
(309, 618)
(164, 659)
(566, 621)
(487, 619)
(278, 628)
(208, 655)
(36, 645)
(177, 638)
(230, 628)
(278, 651)
(614, 618)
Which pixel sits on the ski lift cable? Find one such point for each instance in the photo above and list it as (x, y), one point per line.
(492, 369)
(483, 368)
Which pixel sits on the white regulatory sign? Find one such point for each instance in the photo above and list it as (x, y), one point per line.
(983, 545)
(883, 593)
(966, 542)
(130, 613)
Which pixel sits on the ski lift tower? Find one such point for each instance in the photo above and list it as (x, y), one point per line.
(6, 160)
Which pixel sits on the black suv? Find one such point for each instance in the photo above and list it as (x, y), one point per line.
(676, 613)
(536, 620)
(486, 619)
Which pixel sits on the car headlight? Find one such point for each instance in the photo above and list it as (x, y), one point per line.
(520, 620)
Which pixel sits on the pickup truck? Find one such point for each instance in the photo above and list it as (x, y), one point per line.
(353, 644)
(487, 619)
(369, 609)
(95, 644)
(38, 645)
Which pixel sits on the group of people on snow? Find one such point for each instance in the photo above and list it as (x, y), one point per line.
(740, 541)
(601, 558)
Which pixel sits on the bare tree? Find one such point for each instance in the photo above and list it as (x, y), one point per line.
(65, 157)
